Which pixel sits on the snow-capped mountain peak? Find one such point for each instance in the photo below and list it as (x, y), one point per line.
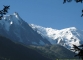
(13, 27)
(65, 37)
(17, 15)
(16, 29)
(8, 20)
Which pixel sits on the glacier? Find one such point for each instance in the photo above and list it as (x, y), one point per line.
(65, 37)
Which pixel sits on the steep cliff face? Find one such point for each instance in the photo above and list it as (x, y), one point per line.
(16, 29)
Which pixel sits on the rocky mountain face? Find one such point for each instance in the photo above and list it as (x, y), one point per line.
(16, 29)
(20, 40)
(65, 37)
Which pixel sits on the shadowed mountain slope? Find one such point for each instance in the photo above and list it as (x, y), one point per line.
(14, 51)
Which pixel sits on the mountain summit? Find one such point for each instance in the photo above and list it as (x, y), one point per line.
(16, 29)
(10, 20)
(65, 37)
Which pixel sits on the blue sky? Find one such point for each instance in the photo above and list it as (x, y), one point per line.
(47, 13)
